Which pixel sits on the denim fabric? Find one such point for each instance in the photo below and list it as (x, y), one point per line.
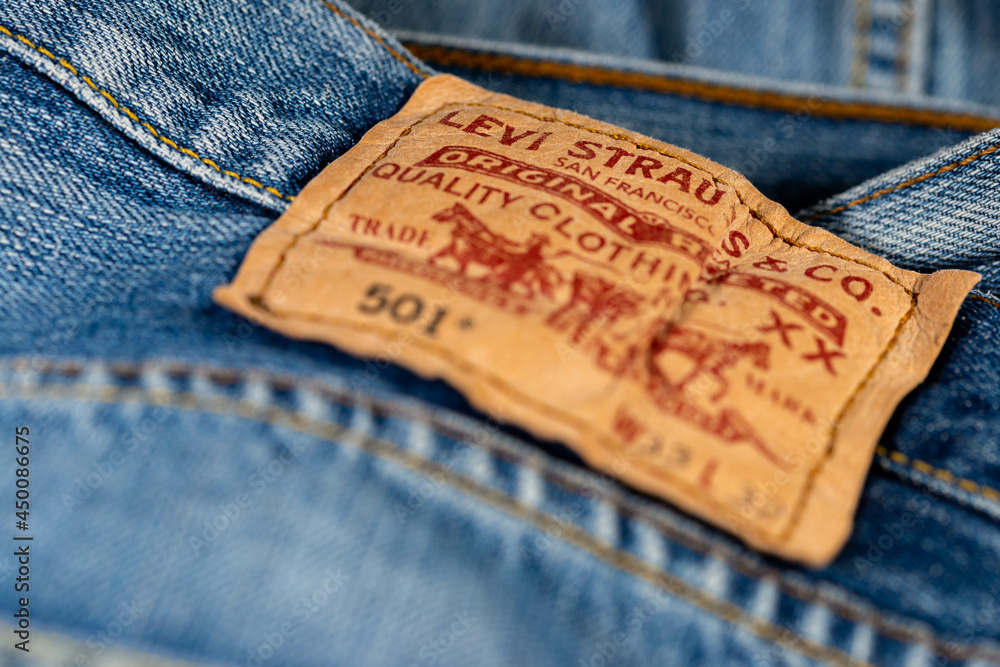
(936, 48)
(936, 212)
(267, 86)
(254, 500)
(926, 215)
(585, 26)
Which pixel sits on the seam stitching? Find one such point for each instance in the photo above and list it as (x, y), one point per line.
(946, 476)
(835, 429)
(135, 118)
(710, 93)
(378, 38)
(905, 184)
(895, 456)
(985, 300)
(295, 239)
(227, 377)
(335, 432)
(783, 536)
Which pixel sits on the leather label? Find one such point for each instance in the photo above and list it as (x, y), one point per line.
(641, 304)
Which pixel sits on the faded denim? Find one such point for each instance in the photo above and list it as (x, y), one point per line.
(241, 498)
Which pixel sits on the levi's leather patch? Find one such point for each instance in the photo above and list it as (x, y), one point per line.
(645, 306)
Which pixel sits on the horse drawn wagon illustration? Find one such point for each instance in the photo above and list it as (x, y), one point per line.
(685, 370)
(512, 266)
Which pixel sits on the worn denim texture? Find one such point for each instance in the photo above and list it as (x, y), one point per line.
(254, 500)
(937, 48)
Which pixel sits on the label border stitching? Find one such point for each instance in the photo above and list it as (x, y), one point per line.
(782, 536)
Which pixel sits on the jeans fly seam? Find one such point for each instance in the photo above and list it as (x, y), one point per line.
(229, 378)
(132, 116)
(334, 433)
(969, 159)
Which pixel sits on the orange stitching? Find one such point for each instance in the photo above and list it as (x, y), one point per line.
(607, 442)
(107, 96)
(377, 38)
(128, 112)
(984, 299)
(817, 469)
(945, 476)
(334, 433)
(705, 92)
(739, 562)
(905, 184)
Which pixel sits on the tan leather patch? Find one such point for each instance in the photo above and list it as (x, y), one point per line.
(642, 304)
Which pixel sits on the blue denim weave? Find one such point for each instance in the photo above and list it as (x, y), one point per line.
(936, 48)
(431, 534)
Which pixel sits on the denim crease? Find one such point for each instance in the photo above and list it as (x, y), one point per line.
(245, 494)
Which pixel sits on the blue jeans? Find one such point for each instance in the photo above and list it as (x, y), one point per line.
(205, 491)
(939, 48)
